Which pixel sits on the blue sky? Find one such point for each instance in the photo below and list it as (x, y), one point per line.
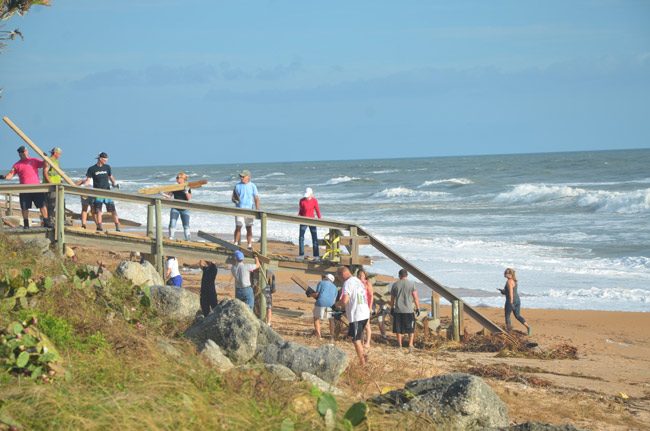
(155, 82)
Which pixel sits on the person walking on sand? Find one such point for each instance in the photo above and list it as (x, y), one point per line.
(325, 296)
(102, 177)
(363, 276)
(184, 214)
(245, 195)
(308, 207)
(513, 303)
(242, 274)
(402, 298)
(353, 298)
(27, 170)
(51, 176)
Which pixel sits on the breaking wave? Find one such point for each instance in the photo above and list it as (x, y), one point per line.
(635, 201)
(396, 192)
(448, 181)
(610, 293)
(339, 180)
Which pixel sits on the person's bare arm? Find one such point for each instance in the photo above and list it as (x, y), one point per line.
(416, 300)
(46, 173)
(257, 202)
(10, 174)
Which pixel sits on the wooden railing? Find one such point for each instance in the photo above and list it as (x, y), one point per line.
(358, 235)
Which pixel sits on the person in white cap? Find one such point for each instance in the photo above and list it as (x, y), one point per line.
(245, 195)
(308, 207)
(325, 296)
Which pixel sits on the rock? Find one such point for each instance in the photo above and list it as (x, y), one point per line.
(242, 337)
(215, 356)
(454, 401)
(174, 302)
(233, 326)
(166, 347)
(141, 274)
(41, 244)
(281, 372)
(538, 426)
(320, 383)
(327, 361)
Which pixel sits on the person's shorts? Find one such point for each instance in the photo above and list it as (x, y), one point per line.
(241, 221)
(176, 281)
(26, 200)
(403, 323)
(269, 300)
(356, 329)
(322, 313)
(87, 201)
(110, 205)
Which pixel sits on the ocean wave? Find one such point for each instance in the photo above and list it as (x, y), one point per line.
(385, 171)
(610, 293)
(339, 180)
(396, 192)
(272, 174)
(448, 181)
(635, 201)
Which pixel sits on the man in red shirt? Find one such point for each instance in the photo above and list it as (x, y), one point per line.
(308, 206)
(27, 170)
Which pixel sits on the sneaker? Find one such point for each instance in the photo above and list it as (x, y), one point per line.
(117, 228)
(99, 228)
(301, 257)
(530, 331)
(250, 246)
(48, 223)
(411, 349)
(83, 226)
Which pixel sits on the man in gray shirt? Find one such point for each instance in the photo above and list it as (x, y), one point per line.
(242, 273)
(402, 297)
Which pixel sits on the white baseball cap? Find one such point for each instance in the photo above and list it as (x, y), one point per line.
(309, 192)
(330, 277)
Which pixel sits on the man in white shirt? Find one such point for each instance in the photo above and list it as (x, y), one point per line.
(353, 298)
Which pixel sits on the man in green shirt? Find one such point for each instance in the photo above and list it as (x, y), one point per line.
(51, 176)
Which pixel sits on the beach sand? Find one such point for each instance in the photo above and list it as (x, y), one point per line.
(607, 387)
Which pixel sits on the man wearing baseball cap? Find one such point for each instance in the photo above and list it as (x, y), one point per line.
(242, 273)
(325, 295)
(27, 170)
(245, 195)
(102, 177)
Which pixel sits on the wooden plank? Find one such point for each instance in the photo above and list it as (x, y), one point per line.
(106, 218)
(359, 260)
(171, 187)
(430, 282)
(37, 150)
(233, 247)
(361, 240)
(300, 282)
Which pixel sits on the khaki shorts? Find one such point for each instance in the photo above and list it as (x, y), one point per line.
(248, 221)
(322, 313)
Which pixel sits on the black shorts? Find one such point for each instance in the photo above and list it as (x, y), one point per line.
(356, 330)
(26, 200)
(87, 201)
(110, 205)
(403, 323)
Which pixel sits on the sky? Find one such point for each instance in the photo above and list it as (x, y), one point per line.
(162, 82)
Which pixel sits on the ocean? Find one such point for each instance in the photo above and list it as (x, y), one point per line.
(575, 226)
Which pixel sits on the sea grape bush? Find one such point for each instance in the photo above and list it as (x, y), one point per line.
(16, 288)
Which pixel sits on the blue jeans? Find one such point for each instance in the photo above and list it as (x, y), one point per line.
(185, 219)
(245, 294)
(514, 308)
(314, 239)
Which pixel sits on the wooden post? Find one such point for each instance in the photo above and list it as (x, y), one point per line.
(435, 306)
(9, 210)
(461, 319)
(60, 218)
(354, 245)
(455, 321)
(150, 220)
(261, 298)
(160, 267)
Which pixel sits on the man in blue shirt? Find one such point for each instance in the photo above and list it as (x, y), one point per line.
(325, 296)
(245, 195)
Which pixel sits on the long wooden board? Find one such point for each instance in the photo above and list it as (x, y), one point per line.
(233, 247)
(37, 150)
(171, 187)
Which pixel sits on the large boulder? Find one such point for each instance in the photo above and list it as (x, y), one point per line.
(233, 326)
(40, 244)
(141, 274)
(215, 356)
(454, 401)
(242, 337)
(174, 302)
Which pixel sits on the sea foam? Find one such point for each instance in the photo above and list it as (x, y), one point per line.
(448, 181)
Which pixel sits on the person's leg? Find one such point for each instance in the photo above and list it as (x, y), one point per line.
(250, 298)
(173, 220)
(98, 213)
(508, 310)
(358, 347)
(314, 239)
(185, 219)
(269, 315)
(332, 330)
(239, 222)
(399, 340)
(368, 334)
(110, 207)
(317, 327)
(249, 236)
(516, 310)
(411, 339)
(301, 240)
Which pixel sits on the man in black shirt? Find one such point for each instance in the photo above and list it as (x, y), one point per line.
(102, 178)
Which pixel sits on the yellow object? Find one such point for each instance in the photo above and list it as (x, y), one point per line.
(332, 241)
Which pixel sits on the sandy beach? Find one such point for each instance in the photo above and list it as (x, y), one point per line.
(606, 387)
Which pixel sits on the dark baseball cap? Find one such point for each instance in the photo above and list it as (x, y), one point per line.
(102, 155)
(21, 149)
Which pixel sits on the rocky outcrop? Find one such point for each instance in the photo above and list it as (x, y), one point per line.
(215, 356)
(244, 338)
(141, 274)
(454, 401)
(174, 302)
